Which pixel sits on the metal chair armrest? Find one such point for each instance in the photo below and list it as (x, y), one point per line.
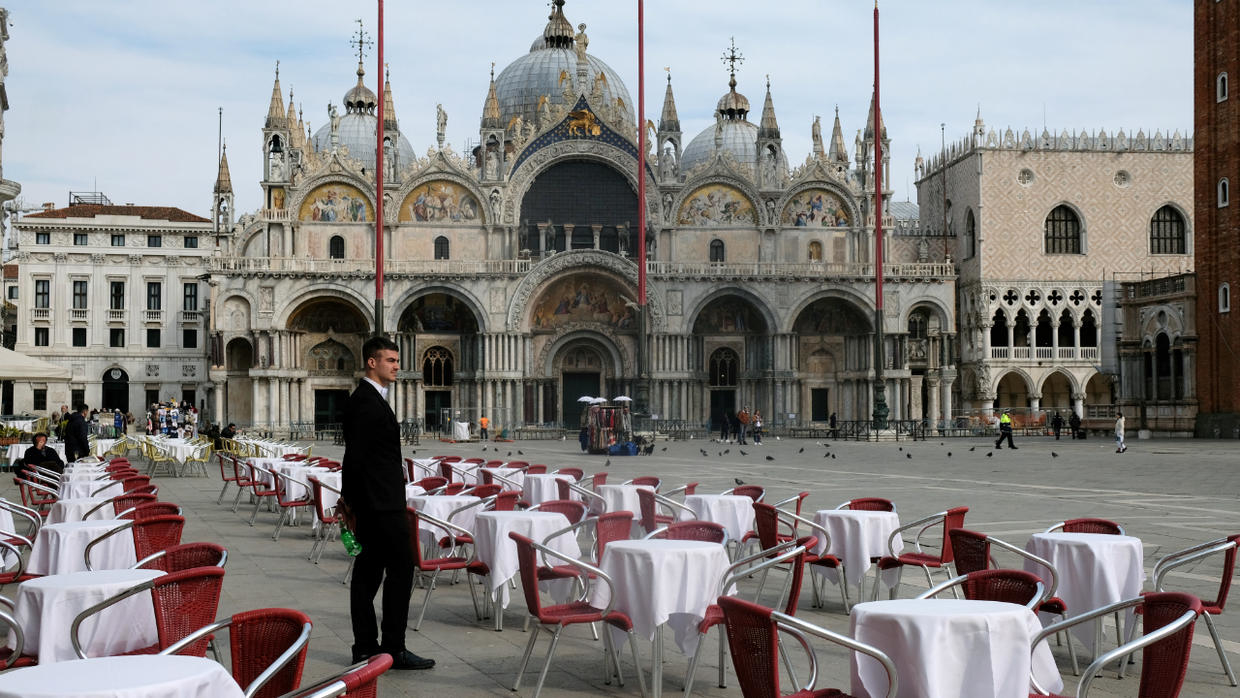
(588, 521)
(818, 529)
(931, 519)
(110, 601)
(17, 553)
(1053, 628)
(280, 662)
(507, 481)
(1054, 585)
(30, 515)
(790, 500)
(785, 621)
(447, 526)
(195, 636)
(97, 507)
(584, 567)
(91, 545)
(19, 637)
(587, 493)
(678, 490)
(673, 505)
(1164, 566)
(738, 571)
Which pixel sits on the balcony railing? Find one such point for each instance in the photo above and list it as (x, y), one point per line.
(1044, 353)
(507, 267)
(999, 352)
(153, 315)
(1089, 353)
(277, 214)
(41, 314)
(800, 269)
(116, 315)
(191, 316)
(78, 314)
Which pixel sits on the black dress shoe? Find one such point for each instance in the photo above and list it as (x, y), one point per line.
(361, 655)
(406, 660)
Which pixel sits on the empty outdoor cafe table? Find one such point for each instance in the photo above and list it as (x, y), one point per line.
(59, 548)
(136, 676)
(951, 647)
(74, 486)
(514, 475)
(493, 546)
(662, 582)
(544, 487)
(46, 606)
(619, 498)
(441, 507)
(425, 467)
(1095, 569)
(75, 508)
(857, 536)
(732, 511)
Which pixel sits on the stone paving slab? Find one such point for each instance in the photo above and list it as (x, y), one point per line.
(1171, 494)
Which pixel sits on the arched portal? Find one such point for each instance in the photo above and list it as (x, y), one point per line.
(331, 332)
(238, 400)
(834, 348)
(1013, 391)
(734, 323)
(115, 390)
(585, 368)
(586, 203)
(438, 337)
(1057, 394)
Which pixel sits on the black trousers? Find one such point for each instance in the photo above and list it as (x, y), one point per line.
(1004, 434)
(386, 559)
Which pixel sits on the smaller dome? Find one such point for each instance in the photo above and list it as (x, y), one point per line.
(559, 32)
(738, 137)
(360, 99)
(357, 133)
(733, 105)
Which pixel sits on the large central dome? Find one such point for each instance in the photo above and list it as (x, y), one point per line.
(551, 62)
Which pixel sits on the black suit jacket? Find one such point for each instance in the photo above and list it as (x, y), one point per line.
(373, 469)
(77, 439)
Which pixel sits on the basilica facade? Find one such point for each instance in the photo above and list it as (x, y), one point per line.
(511, 272)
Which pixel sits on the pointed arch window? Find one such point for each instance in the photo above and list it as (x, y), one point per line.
(1224, 193)
(1220, 87)
(437, 368)
(335, 247)
(970, 234)
(717, 253)
(441, 248)
(722, 372)
(1167, 232)
(815, 251)
(1063, 231)
(1224, 297)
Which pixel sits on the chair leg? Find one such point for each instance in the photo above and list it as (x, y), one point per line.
(426, 601)
(555, 640)
(637, 664)
(783, 654)
(473, 597)
(525, 659)
(610, 649)
(257, 503)
(285, 514)
(691, 672)
(844, 591)
(220, 500)
(348, 574)
(1218, 646)
(723, 661)
(237, 499)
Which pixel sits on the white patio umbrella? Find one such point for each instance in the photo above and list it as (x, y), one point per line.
(585, 398)
(622, 398)
(599, 400)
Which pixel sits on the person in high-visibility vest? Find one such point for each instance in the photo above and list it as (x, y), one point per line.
(1005, 430)
(483, 425)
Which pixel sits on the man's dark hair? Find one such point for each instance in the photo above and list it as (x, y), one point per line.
(38, 435)
(82, 407)
(374, 345)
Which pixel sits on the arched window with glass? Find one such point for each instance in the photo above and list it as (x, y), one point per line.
(722, 370)
(437, 368)
(815, 251)
(1063, 231)
(717, 253)
(335, 247)
(1167, 232)
(441, 248)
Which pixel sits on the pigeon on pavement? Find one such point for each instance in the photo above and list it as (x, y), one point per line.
(990, 454)
(770, 457)
(738, 481)
(1054, 455)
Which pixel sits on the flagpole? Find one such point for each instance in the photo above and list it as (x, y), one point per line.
(880, 389)
(643, 388)
(379, 329)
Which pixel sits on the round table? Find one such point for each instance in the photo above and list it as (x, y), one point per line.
(59, 547)
(46, 606)
(137, 676)
(72, 488)
(857, 536)
(17, 451)
(618, 498)
(425, 467)
(74, 509)
(544, 487)
(493, 546)
(514, 475)
(441, 507)
(732, 511)
(1095, 569)
(950, 647)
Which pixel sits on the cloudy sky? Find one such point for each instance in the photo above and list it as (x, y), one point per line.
(122, 97)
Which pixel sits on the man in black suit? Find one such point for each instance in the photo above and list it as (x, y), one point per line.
(374, 488)
(77, 436)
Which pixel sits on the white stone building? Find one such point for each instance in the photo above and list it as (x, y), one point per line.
(1044, 228)
(117, 294)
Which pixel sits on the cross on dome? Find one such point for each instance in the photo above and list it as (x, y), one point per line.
(732, 57)
(361, 40)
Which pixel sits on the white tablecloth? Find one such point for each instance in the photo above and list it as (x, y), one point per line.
(272, 448)
(101, 446)
(465, 472)
(516, 475)
(733, 512)
(59, 547)
(460, 431)
(138, 676)
(46, 607)
(75, 488)
(74, 509)
(441, 506)
(425, 467)
(663, 581)
(26, 425)
(1095, 569)
(18, 450)
(179, 449)
(543, 487)
(493, 546)
(856, 536)
(620, 498)
(950, 647)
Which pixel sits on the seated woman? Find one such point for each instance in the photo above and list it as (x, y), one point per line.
(43, 455)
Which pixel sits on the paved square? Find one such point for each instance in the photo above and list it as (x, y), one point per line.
(1168, 493)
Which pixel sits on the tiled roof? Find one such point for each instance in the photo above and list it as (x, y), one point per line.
(158, 213)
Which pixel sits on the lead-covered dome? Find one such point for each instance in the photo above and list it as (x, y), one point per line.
(358, 127)
(542, 72)
(738, 137)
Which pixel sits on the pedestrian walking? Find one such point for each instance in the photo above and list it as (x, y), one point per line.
(1005, 430)
(1074, 423)
(1057, 424)
(1120, 447)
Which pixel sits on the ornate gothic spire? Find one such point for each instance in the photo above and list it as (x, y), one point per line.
(291, 116)
(389, 107)
(669, 121)
(869, 123)
(490, 110)
(275, 112)
(223, 182)
(768, 127)
(837, 153)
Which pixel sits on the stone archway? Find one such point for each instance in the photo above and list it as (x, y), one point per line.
(582, 365)
(1012, 391)
(328, 336)
(444, 324)
(238, 389)
(735, 323)
(833, 352)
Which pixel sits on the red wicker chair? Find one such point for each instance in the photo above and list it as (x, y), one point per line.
(556, 618)
(1009, 586)
(1226, 546)
(149, 535)
(705, 531)
(267, 648)
(754, 492)
(431, 483)
(752, 638)
(261, 488)
(516, 464)
(506, 500)
(486, 490)
(1102, 526)
(288, 505)
(358, 681)
(598, 479)
(646, 480)
(122, 503)
(768, 519)
(868, 504)
(150, 510)
(1165, 644)
(536, 469)
(184, 602)
(225, 467)
(450, 561)
(454, 488)
(651, 519)
(572, 510)
(185, 556)
(790, 552)
(575, 473)
(952, 518)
